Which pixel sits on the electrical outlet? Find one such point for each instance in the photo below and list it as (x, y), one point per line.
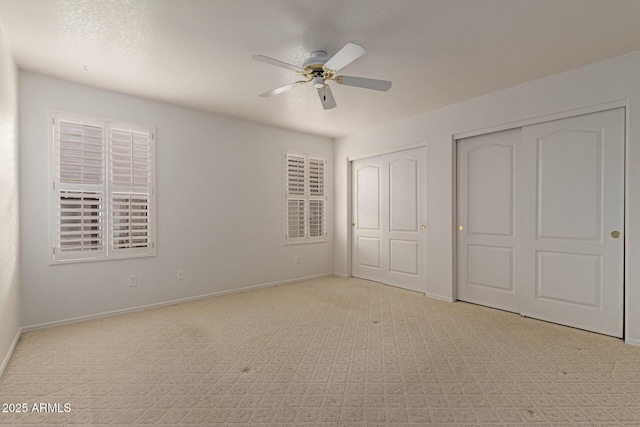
(180, 274)
(133, 281)
(298, 259)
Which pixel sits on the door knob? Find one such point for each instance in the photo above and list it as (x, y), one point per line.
(460, 228)
(353, 224)
(615, 234)
(424, 227)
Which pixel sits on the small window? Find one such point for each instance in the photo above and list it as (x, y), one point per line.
(103, 189)
(305, 200)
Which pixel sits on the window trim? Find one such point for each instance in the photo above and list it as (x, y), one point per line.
(107, 188)
(306, 197)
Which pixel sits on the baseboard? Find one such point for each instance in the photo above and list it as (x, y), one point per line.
(7, 357)
(439, 297)
(632, 342)
(166, 303)
(341, 275)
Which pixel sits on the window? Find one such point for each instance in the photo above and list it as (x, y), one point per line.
(305, 199)
(103, 189)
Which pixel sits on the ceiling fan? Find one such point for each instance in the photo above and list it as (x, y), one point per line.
(319, 69)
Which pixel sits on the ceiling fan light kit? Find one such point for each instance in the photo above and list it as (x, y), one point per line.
(319, 69)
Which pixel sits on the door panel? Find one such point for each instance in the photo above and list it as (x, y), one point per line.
(486, 244)
(499, 276)
(490, 184)
(389, 209)
(367, 254)
(368, 197)
(406, 203)
(573, 279)
(573, 193)
(569, 193)
(403, 256)
(403, 194)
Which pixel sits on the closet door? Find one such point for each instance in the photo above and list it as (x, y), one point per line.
(367, 218)
(405, 219)
(487, 213)
(540, 215)
(571, 263)
(389, 219)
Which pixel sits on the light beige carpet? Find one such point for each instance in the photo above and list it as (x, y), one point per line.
(323, 352)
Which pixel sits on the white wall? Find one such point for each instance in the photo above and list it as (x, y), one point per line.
(617, 79)
(9, 244)
(220, 206)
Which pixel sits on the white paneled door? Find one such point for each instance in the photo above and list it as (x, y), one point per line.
(573, 245)
(389, 219)
(487, 213)
(541, 217)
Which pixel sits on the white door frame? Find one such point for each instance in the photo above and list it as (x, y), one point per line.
(623, 103)
(350, 219)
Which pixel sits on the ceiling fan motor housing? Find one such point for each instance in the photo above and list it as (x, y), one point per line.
(313, 68)
(316, 61)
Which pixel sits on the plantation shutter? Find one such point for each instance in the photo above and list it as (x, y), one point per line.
(130, 221)
(130, 157)
(316, 218)
(295, 214)
(296, 175)
(130, 183)
(79, 209)
(316, 177)
(80, 153)
(317, 198)
(295, 218)
(305, 201)
(103, 195)
(81, 217)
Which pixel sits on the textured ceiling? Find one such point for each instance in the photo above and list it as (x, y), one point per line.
(197, 53)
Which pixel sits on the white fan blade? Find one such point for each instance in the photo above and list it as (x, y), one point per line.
(281, 89)
(374, 84)
(345, 56)
(326, 97)
(275, 62)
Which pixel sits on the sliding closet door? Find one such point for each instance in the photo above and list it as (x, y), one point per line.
(368, 178)
(572, 260)
(540, 215)
(405, 226)
(389, 219)
(486, 225)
